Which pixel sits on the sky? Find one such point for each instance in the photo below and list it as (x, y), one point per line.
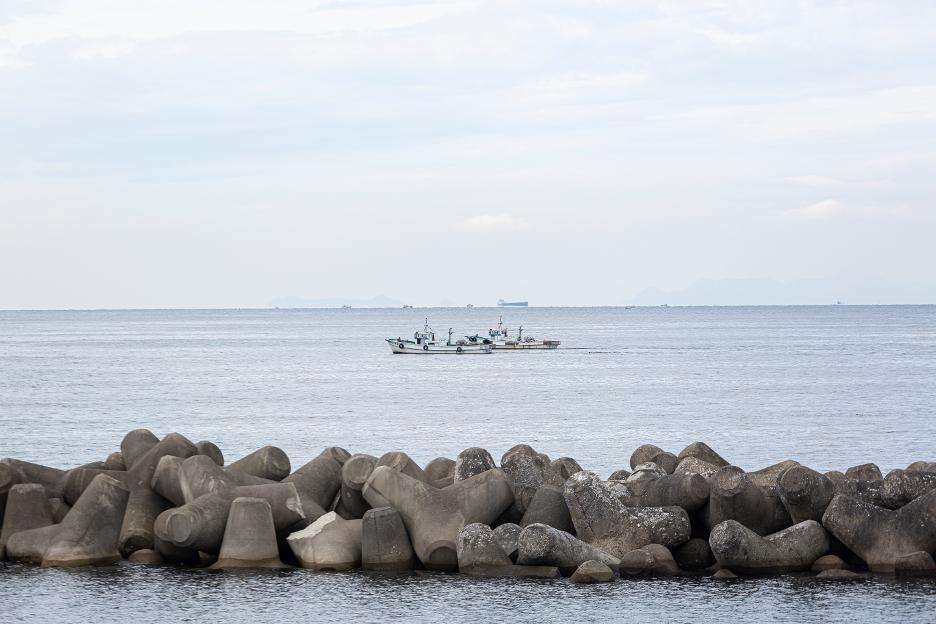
(225, 154)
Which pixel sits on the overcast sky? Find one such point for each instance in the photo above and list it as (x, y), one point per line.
(213, 154)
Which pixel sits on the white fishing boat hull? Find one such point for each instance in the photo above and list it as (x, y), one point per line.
(410, 348)
(524, 346)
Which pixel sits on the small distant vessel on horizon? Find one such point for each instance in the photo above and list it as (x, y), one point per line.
(345, 307)
(406, 306)
(512, 304)
(469, 306)
(424, 343)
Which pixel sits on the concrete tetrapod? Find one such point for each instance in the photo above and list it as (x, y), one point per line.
(269, 462)
(354, 475)
(135, 444)
(791, 550)
(199, 524)
(167, 479)
(472, 461)
(319, 480)
(693, 465)
(922, 466)
(385, 546)
(526, 470)
(434, 517)
(915, 564)
(30, 546)
(864, 472)
(592, 571)
(249, 537)
(211, 450)
(767, 477)
(508, 538)
(330, 543)
(115, 461)
(880, 536)
(542, 545)
(643, 453)
(602, 520)
(702, 452)
(650, 560)
(805, 493)
(734, 496)
(903, 486)
(89, 534)
(690, 492)
(477, 547)
(440, 468)
(144, 505)
(27, 472)
(548, 506)
(27, 508)
(560, 470)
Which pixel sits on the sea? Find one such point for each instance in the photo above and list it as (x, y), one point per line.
(828, 386)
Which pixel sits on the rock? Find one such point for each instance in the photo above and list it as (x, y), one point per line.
(903, 486)
(915, 564)
(540, 545)
(330, 543)
(476, 546)
(703, 452)
(354, 474)
(249, 537)
(619, 475)
(841, 575)
(880, 536)
(734, 496)
(643, 453)
(526, 471)
(828, 562)
(135, 445)
(269, 462)
(767, 477)
(724, 573)
(693, 465)
(592, 571)
(472, 461)
(433, 517)
(694, 555)
(211, 450)
(548, 506)
(805, 493)
(508, 538)
(385, 545)
(790, 550)
(650, 560)
(146, 557)
(90, 532)
(440, 468)
(602, 520)
(864, 472)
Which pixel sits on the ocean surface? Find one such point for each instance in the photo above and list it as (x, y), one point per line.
(828, 386)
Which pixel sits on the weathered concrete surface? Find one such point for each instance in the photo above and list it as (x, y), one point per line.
(319, 480)
(915, 564)
(880, 536)
(385, 545)
(690, 492)
(27, 508)
(768, 477)
(354, 474)
(548, 506)
(601, 519)
(30, 546)
(508, 538)
(693, 465)
(269, 462)
(146, 557)
(560, 470)
(702, 452)
(249, 537)
(592, 571)
(476, 546)
(828, 562)
(135, 445)
(433, 517)
(790, 550)
(694, 555)
(734, 496)
(472, 461)
(330, 543)
(526, 470)
(643, 454)
(90, 532)
(542, 545)
(18, 471)
(205, 447)
(805, 493)
(649, 560)
(904, 486)
(440, 468)
(864, 472)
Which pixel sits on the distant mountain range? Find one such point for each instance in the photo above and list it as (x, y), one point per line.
(854, 289)
(379, 301)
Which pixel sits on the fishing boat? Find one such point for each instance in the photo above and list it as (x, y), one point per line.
(512, 304)
(424, 343)
(501, 340)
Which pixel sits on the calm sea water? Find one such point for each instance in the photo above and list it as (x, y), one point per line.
(828, 386)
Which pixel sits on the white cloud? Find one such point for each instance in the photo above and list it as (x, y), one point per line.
(483, 224)
(813, 180)
(820, 210)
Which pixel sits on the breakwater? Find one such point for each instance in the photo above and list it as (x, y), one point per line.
(170, 501)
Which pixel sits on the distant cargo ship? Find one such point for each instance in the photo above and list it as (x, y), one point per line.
(512, 304)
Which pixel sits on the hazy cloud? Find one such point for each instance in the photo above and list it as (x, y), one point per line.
(820, 210)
